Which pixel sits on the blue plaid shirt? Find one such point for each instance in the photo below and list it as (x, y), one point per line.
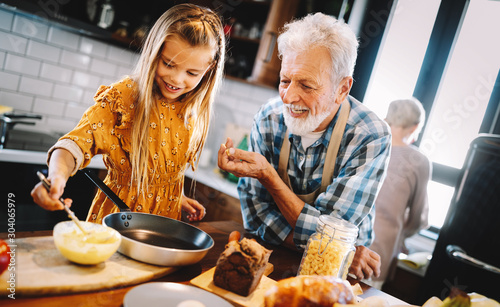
(359, 171)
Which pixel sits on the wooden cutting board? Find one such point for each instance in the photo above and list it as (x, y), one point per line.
(256, 298)
(41, 270)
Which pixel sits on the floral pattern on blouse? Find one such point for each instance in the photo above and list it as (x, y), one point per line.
(105, 129)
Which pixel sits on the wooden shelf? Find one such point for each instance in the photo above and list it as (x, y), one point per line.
(261, 2)
(244, 39)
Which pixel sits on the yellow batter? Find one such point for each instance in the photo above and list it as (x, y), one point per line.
(91, 248)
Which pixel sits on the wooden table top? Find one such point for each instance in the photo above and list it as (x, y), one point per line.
(285, 261)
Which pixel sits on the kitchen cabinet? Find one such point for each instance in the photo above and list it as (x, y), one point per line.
(267, 64)
(219, 206)
(122, 23)
(20, 178)
(244, 22)
(251, 26)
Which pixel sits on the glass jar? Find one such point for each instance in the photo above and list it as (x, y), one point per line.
(330, 249)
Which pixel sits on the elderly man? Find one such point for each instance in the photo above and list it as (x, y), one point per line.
(316, 150)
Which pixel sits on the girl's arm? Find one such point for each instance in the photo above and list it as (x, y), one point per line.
(61, 165)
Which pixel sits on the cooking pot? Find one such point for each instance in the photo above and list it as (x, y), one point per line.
(154, 239)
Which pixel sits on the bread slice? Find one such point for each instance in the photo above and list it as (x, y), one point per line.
(241, 266)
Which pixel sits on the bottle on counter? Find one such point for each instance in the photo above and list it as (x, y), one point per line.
(106, 15)
(228, 28)
(330, 249)
(141, 32)
(254, 32)
(122, 30)
(243, 145)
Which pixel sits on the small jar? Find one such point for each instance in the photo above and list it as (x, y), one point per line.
(330, 249)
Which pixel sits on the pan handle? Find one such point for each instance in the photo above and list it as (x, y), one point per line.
(106, 190)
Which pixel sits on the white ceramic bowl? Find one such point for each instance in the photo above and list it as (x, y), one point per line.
(101, 243)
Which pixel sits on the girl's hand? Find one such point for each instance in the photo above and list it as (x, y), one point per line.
(50, 200)
(194, 210)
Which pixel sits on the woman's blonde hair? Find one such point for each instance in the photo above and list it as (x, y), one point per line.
(198, 26)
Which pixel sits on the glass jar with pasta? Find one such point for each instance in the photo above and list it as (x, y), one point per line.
(330, 249)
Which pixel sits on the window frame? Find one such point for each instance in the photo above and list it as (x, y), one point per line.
(445, 32)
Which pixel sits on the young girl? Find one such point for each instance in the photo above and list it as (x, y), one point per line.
(151, 125)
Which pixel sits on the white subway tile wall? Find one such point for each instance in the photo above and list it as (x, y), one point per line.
(13, 43)
(75, 59)
(103, 67)
(56, 73)
(46, 107)
(9, 81)
(90, 46)
(29, 28)
(75, 110)
(36, 87)
(71, 92)
(63, 38)
(86, 80)
(43, 51)
(5, 20)
(2, 57)
(47, 70)
(20, 102)
(22, 65)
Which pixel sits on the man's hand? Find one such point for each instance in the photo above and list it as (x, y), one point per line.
(365, 264)
(242, 163)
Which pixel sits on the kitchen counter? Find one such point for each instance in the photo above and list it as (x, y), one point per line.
(37, 157)
(210, 176)
(285, 263)
(418, 244)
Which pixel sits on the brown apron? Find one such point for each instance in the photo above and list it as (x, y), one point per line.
(331, 155)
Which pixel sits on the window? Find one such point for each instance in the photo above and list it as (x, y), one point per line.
(401, 53)
(464, 89)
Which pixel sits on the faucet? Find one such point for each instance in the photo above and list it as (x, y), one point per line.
(9, 120)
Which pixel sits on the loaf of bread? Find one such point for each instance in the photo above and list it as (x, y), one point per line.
(309, 290)
(241, 265)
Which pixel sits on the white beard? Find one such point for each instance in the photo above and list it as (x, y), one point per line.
(300, 126)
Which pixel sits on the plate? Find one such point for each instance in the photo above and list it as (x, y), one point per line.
(155, 294)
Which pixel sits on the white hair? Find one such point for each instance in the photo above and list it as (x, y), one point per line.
(406, 113)
(320, 30)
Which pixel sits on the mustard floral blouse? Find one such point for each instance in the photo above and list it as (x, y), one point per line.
(105, 129)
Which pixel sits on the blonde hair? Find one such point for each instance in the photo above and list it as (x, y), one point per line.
(198, 26)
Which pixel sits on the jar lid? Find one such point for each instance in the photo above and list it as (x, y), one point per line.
(337, 228)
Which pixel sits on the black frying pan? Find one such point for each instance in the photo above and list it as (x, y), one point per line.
(152, 238)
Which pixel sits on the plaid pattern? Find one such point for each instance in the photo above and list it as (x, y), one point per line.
(359, 171)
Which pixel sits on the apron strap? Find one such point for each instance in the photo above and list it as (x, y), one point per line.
(331, 154)
(334, 145)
